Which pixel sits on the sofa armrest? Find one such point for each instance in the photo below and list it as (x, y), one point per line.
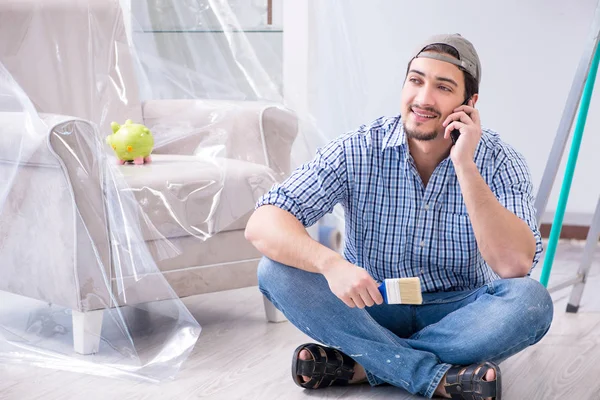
(82, 157)
(252, 131)
(23, 138)
(51, 185)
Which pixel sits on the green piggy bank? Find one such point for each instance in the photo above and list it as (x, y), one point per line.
(131, 142)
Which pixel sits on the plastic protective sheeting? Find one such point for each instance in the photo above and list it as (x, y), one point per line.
(100, 239)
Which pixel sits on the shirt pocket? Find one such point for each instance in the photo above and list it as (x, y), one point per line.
(457, 250)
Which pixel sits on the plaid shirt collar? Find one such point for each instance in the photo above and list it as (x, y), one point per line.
(395, 137)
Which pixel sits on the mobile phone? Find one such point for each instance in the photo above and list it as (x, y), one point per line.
(455, 133)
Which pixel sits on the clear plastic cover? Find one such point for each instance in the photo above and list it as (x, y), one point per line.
(127, 177)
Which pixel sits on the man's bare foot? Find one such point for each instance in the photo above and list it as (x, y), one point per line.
(359, 372)
(490, 375)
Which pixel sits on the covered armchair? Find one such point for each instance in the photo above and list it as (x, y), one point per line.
(189, 207)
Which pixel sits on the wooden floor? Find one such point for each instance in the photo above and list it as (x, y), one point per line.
(240, 356)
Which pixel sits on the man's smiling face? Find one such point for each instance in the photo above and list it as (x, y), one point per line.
(432, 90)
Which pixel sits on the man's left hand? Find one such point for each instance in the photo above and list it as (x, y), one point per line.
(466, 119)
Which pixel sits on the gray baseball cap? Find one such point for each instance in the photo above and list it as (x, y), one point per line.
(468, 58)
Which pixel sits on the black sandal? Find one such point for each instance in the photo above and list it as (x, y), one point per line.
(470, 385)
(333, 369)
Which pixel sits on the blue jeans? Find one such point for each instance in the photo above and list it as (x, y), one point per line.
(412, 347)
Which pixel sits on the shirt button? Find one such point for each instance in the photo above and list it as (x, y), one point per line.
(426, 207)
(422, 244)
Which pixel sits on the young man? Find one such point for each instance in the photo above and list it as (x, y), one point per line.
(458, 216)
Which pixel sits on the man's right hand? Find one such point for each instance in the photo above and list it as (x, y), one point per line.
(352, 284)
(280, 236)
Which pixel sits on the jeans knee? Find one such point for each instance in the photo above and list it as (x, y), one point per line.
(536, 301)
(264, 272)
(271, 275)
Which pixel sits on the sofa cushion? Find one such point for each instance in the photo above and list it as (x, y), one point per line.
(182, 195)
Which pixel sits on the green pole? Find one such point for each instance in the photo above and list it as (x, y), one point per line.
(570, 169)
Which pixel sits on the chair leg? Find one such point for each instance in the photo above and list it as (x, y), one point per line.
(87, 329)
(273, 314)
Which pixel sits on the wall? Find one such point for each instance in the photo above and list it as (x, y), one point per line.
(343, 62)
(529, 50)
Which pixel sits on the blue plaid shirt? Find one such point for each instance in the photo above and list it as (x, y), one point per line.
(395, 226)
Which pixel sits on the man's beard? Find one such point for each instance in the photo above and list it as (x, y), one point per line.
(422, 136)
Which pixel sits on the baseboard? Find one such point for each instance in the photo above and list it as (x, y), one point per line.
(578, 232)
(575, 225)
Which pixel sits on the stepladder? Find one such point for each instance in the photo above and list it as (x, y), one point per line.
(577, 104)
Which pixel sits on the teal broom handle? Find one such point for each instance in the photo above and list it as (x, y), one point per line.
(570, 169)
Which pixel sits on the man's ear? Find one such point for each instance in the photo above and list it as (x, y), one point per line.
(475, 98)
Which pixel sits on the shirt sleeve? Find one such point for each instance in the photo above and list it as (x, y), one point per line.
(314, 188)
(513, 187)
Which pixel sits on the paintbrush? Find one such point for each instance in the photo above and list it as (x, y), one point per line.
(401, 291)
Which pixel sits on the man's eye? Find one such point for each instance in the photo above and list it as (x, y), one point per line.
(445, 88)
(414, 80)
